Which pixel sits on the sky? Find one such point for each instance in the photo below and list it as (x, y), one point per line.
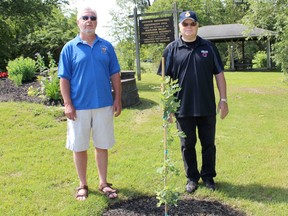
(102, 7)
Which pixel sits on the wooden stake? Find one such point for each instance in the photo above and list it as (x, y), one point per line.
(165, 135)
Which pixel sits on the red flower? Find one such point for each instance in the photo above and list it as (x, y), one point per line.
(3, 74)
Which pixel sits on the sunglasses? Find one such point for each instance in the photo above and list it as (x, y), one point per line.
(189, 24)
(92, 18)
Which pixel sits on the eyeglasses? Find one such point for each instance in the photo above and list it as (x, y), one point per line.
(184, 24)
(92, 18)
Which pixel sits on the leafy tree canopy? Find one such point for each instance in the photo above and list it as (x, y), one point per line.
(272, 15)
(26, 23)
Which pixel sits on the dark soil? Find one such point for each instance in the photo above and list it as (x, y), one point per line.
(143, 206)
(147, 206)
(10, 92)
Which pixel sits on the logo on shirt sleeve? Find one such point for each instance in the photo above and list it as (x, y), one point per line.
(204, 53)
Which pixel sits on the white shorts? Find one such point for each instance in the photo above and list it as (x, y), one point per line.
(98, 121)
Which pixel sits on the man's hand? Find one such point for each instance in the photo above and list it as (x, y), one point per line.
(70, 112)
(223, 109)
(117, 108)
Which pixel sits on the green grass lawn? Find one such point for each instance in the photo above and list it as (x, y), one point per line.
(37, 174)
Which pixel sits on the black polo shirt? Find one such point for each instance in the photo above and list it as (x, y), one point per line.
(194, 66)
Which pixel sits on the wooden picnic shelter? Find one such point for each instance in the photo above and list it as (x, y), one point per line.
(235, 33)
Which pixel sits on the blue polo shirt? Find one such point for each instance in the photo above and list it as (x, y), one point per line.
(194, 66)
(89, 68)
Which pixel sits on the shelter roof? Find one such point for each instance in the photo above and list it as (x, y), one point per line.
(229, 32)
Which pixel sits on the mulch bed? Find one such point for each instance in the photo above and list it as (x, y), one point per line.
(143, 206)
(147, 206)
(10, 92)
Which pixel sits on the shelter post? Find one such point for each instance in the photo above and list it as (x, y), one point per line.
(268, 53)
(232, 56)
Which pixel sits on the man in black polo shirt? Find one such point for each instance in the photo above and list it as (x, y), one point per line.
(194, 62)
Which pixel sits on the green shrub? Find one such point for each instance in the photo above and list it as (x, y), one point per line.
(17, 79)
(21, 69)
(40, 64)
(34, 92)
(260, 59)
(50, 88)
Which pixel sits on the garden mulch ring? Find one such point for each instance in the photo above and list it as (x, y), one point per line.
(187, 205)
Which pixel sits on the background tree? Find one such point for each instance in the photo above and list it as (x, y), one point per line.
(51, 35)
(5, 44)
(123, 35)
(272, 15)
(19, 20)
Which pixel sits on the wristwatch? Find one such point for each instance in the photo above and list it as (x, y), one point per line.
(224, 100)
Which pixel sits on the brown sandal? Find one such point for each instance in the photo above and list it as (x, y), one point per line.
(108, 193)
(82, 195)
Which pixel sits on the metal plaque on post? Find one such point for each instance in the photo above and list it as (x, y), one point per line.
(159, 30)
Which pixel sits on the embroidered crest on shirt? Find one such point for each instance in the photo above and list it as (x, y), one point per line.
(104, 49)
(204, 53)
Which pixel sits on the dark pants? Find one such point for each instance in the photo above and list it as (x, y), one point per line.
(206, 127)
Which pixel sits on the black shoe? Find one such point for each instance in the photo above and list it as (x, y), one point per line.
(191, 186)
(210, 184)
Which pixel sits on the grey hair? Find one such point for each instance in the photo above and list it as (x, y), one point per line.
(84, 9)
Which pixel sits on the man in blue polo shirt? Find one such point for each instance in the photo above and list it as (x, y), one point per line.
(194, 62)
(87, 67)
